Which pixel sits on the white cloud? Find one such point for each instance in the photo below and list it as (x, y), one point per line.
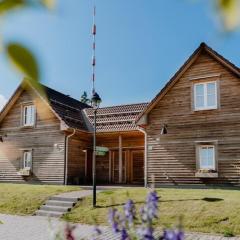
(3, 101)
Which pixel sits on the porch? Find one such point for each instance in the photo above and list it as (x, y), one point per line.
(123, 161)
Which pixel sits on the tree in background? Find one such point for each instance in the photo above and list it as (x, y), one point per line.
(84, 98)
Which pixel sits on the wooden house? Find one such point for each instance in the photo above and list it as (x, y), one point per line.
(46, 137)
(193, 124)
(188, 134)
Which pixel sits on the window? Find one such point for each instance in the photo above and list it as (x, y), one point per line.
(205, 96)
(27, 159)
(207, 157)
(29, 115)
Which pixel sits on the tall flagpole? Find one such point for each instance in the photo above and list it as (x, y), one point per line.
(94, 31)
(95, 109)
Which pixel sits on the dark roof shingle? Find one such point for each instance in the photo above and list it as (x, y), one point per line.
(67, 108)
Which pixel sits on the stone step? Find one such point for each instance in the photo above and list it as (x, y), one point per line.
(48, 213)
(55, 208)
(65, 199)
(59, 203)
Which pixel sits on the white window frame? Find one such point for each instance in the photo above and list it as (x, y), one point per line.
(25, 153)
(213, 167)
(205, 107)
(25, 122)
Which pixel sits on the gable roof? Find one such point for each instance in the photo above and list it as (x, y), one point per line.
(203, 47)
(116, 118)
(67, 109)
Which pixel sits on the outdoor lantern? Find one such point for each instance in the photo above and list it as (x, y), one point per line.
(164, 129)
(96, 100)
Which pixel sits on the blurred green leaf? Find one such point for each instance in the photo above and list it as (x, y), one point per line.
(226, 4)
(229, 13)
(7, 5)
(23, 60)
(50, 4)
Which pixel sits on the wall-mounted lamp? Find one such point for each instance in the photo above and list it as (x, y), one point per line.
(164, 129)
(58, 147)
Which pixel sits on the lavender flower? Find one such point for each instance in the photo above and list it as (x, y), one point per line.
(124, 234)
(113, 219)
(96, 232)
(172, 235)
(130, 212)
(145, 233)
(150, 210)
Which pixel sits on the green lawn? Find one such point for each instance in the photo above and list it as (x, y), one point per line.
(208, 210)
(23, 199)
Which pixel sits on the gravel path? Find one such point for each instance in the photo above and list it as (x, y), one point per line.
(41, 228)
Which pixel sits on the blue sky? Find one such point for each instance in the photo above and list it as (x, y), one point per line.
(140, 45)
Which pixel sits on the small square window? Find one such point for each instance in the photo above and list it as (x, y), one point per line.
(206, 155)
(29, 115)
(205, 96)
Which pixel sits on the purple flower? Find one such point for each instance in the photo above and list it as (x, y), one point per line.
(97, 230)
(130, 211)
(114, 219)
(145, 233)
(173, 235)
(124, 234)
(150, 210)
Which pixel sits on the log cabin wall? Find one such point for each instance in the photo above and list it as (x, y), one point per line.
(45, 139)
(172, 157)
(79, 148)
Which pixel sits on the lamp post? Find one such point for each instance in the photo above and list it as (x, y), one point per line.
(96, 100)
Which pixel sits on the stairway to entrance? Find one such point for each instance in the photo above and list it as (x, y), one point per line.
(60, 204)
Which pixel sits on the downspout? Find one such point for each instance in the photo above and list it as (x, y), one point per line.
(145, 156)
(66, 155)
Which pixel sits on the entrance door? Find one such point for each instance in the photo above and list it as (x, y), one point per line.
(115, 166)
(137, 166)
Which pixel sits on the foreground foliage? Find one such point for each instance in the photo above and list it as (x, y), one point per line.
(22, 199)
(129, 224)
(201, 210)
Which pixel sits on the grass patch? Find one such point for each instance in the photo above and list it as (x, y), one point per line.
(202, 210)
(24, 199)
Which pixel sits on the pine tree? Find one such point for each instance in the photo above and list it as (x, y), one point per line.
(84, 98)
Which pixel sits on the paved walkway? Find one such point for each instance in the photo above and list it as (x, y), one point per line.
(41, 228)
(76, 194)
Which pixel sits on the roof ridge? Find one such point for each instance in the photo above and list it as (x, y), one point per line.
(122, 105)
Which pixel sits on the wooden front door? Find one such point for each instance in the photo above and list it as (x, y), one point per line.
(115, 166)
(137, 166)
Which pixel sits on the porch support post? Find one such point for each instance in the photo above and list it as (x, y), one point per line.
(120, 159)
(110, 166)
(145, 157)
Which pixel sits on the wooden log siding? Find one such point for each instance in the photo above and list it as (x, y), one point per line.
(48, 161)
(171, 157)
(77, 157)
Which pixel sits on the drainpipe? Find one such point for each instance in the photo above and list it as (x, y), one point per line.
(66, 155)
(145, 157)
